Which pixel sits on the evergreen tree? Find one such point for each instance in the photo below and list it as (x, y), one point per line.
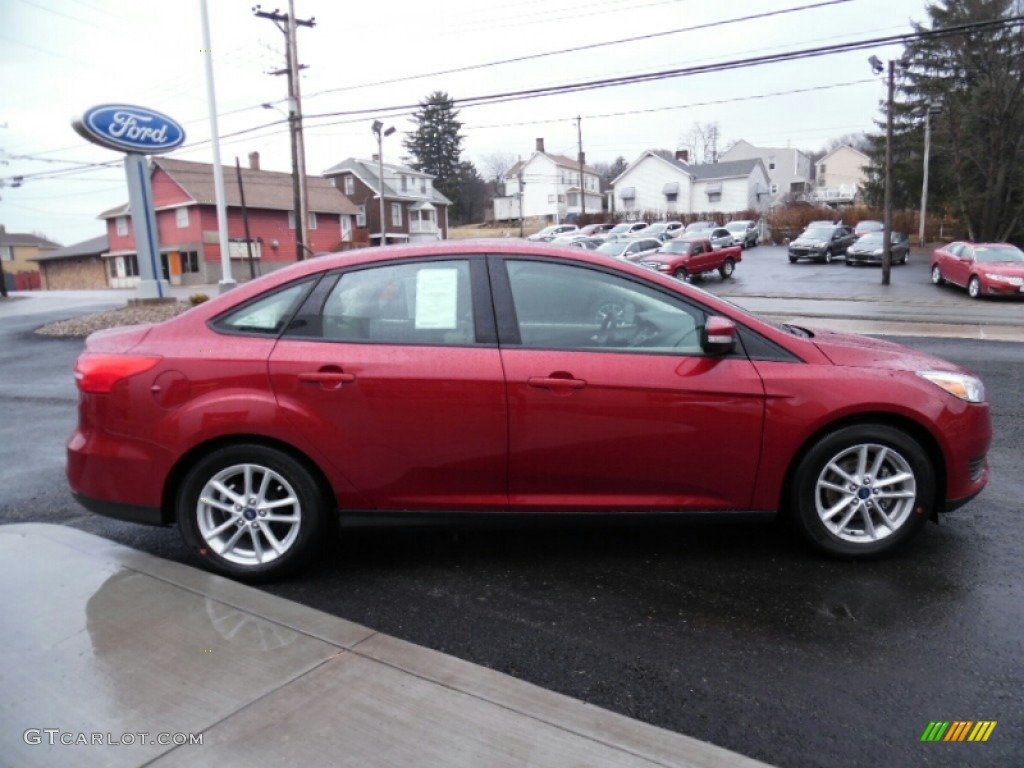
(436, 144)
(976, 81)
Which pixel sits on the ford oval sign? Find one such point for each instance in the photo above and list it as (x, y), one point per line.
(130, 129)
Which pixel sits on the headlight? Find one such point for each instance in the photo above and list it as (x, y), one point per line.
(879, 252)
(663, 267)
(969, 388)
(1005, 279)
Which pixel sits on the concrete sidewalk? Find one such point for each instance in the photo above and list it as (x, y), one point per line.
(106, 652)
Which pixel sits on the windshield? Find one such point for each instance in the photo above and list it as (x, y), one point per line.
(818, 233)
(655, 228)
(990, 253)
(874, 238)
(613, 249)
(697, 225)
(619, 228)
(675, 246)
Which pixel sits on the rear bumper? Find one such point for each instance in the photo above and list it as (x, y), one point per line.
(127, 512)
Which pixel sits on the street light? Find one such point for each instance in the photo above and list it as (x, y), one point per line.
(877, 67)
(380, 132)
(931, 108)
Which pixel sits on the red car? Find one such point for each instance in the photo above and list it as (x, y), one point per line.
(984, 269)
(508, 377)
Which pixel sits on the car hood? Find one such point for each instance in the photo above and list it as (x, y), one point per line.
(853, 350)
(862, 248)
(665, 258)
(809, 241)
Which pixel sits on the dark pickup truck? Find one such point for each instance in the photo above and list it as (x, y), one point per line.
(688, 256)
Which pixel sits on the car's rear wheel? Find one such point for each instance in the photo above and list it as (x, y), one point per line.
(937, 278)
(727, 268)
(862, 490)
(251, 512)
(974, 288)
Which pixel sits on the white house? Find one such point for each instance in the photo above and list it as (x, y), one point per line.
(789, 170)
(548, 185)
(840, 175)
(667, 187)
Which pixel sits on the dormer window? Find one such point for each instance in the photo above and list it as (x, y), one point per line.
(350, 185)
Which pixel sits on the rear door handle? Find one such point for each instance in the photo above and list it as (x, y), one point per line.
(555, 382)
(328, 379)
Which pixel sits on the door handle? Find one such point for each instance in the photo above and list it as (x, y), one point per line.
(555, 382)
(328, 379)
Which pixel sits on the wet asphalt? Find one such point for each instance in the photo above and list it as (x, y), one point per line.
(730, 632)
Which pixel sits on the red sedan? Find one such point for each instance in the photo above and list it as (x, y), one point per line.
(508, 377)
(984, 269)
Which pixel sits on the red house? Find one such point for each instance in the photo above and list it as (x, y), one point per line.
(186, 215)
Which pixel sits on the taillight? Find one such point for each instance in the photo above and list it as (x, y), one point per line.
(97, 374)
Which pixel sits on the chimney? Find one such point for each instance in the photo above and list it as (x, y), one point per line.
(540, 145)
(254, 161)
(683, 155)
(375, 157)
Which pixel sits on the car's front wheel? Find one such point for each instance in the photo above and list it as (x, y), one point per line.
(727, 268)
(862, 490)
(251, 512)
(937, 278)
(974, 287)
(792, 259)
(828, 257)
(680, 273)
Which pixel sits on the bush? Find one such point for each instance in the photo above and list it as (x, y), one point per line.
(197, 298)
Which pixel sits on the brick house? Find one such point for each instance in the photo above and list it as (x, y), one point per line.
(17, 255)
(75, 267)
(414, 211)
(186, 214)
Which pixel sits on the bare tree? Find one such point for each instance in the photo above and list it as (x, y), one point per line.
(702, 141)
(496, 164)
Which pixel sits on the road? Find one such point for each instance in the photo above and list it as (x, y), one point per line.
(732, 633)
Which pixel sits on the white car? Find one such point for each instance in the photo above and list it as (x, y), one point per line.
(549, 233)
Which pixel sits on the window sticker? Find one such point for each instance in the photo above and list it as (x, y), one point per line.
(437, 298)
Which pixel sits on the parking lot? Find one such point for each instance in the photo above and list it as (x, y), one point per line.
(731, 632)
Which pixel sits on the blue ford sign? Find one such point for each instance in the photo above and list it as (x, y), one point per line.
(128, 128)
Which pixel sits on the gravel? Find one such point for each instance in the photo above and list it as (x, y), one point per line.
(114, 318)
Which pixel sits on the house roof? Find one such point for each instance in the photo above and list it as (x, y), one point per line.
(367, 172)
(840, 148)
(702, 172)
(21, 238)
(560, 160)
(271, 190)
(92, 247)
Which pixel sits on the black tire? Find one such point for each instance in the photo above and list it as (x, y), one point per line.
(937, 278)
(727, 268)
(828, 257)
(792, 259)
(857, 513)
(974, 287)
(680, 273)
(848, 262)
(244, 549)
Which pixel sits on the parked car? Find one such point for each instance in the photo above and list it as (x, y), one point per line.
(567, 238)
(821, 242)
(720, 237)
(868, 249)
(589, 243)
(625, 229)
(595, 229)
(744, 232)
(868, 225)
(507, 377)
(984, 269)
(691, 256)
(629, 248)
(663, 230)
(696, 226)
(549, 233)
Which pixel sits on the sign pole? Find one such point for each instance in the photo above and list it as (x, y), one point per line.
(147, 237)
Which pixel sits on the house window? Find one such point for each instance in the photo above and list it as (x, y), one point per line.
(181, 216)
(561, 198)
(361, 215)
(122, 225)
(714, 197)
(350, 185)
(312, 220)
(405, 183)
(190, 262)
(821, 169)
(571, 198)
(396, 214)
(551, 198)
(6, 253)
(131, 265)
(771, 163)
(671, 197)
(345, 223)
(775, 189)
(423, 186)
(291, 219)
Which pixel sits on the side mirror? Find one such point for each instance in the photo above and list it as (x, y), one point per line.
(719, 335)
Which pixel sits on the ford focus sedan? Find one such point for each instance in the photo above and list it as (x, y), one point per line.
(984, 269)
(505, 377)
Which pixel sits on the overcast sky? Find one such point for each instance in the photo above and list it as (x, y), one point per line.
(60, 57)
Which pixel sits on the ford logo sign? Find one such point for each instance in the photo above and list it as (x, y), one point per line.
(127, 128)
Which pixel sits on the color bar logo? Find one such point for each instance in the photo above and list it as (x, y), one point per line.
(959, 730)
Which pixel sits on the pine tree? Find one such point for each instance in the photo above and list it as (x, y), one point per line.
(436, 144)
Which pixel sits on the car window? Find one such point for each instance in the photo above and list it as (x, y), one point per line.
(562, 306)
(265, 315)
(413, 303)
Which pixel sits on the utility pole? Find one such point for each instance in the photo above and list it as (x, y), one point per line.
(887, 224)
(929, 110)
(288, 24)
(579, 141)
(522, 191)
